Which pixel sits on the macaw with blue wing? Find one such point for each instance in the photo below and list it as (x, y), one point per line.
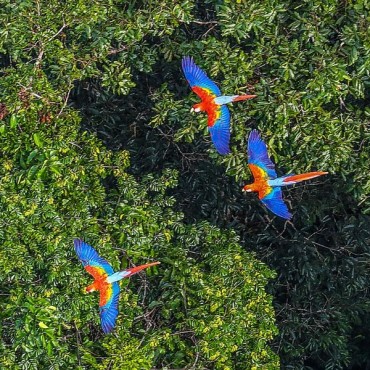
(266, 182)
(105, 281)
(213, 102)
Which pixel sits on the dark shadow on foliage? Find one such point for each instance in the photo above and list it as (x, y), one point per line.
(321, 295)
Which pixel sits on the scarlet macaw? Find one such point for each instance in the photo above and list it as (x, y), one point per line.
(266, 182)
(105, 281)
(213, 102)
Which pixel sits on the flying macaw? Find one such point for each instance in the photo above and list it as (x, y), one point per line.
(213, 102)
(266, 182)
(105, 280)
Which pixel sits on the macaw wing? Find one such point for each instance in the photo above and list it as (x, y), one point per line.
(108, 306)
(220, 129)
(258, 156)
(273, 200)
(93, 263)
(197, 78)
(258, 173)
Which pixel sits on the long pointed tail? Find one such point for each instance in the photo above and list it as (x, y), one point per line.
(134, 270)
(303, 176)
(117, 276)
(243, 97)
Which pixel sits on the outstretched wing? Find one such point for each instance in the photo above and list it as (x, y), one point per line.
(259, 162)
(108, 306)
(220, 129)
(273, 200)
(198, 79)
(93, 263)
(207, 90)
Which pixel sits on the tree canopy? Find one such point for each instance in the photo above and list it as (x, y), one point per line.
(97, 142)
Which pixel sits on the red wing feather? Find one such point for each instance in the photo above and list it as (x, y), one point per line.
(96, 272)
(258, 173)
(206, 95)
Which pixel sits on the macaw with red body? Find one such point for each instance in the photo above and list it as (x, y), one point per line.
(105, 281)
(266, 182)
(213, 102)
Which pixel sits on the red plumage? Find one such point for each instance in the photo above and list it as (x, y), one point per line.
(304, 176)
(244, 97)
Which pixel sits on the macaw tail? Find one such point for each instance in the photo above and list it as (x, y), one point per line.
(303, 176)
(117, 276)
(134, 270)
(243, 97)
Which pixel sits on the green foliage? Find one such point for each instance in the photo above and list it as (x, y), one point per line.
(205, 306)
(48, 322)
(218, 295)
(308, 63)
(157, 187)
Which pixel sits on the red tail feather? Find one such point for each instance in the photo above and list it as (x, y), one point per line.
(244, 97)
(304, 176)
(134, 270)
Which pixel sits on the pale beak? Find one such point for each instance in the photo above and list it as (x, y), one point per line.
(192, 110)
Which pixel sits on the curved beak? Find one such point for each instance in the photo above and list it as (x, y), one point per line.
(90, 288)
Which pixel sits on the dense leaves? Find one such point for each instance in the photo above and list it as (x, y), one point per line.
(205, 306)
(154, 187)
(308, 62)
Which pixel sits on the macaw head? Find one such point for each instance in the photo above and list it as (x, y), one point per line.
(197, 108)
(248, 188)
(91, 288)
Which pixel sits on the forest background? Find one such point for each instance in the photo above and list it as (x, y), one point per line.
(97, 142)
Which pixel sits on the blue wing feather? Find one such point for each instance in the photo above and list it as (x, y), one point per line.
(90, 257)
(109, 312)
(275, 203)
(220, 131)
(197, 77)
(258, 155)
